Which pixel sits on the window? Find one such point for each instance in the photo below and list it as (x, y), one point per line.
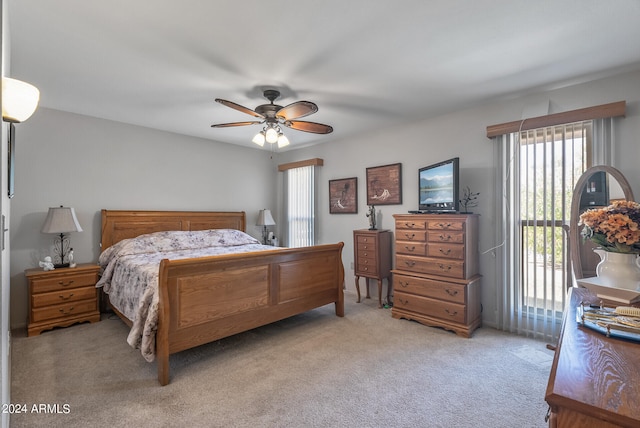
(300, 202)
(551, 162)
(538, 162)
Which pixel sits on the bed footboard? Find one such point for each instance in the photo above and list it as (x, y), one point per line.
(206, 299)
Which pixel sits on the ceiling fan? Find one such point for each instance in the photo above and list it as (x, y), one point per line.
(273, 115)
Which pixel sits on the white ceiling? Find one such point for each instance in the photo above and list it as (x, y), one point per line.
(366, 64)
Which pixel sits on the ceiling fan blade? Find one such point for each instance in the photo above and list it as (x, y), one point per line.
(239, 107)
(297, 110)
(227, 125)
(301, 125)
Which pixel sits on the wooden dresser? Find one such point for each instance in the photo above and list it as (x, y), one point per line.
(436, 279)
(594, 379)
(372, 259)
(61, 297)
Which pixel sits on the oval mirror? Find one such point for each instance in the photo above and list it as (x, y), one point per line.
(599, 186)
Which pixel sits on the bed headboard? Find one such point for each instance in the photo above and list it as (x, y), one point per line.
(119, 224)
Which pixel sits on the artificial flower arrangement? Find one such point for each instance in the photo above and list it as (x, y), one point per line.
(615, 228)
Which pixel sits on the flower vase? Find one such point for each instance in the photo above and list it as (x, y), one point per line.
(619, 270)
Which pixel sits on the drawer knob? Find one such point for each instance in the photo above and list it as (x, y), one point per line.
(452, 313)
(410, 249)
(64, 284)
(410, 263)
(444, 225)
(410, 236)
(66, 312)
(443, 267)
(451, 292)
(66, 298)
(403, 301)
(445, 237)
(403, 284)
(445, 252)
(410, 225)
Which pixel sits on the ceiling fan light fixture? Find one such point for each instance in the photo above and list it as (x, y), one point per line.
(259, 139)
(271, 135)
(283, 141)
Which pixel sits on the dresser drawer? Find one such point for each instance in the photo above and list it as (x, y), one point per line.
(445, 224)
(446, 236)
(430, 288)
(63, 296)
(447, 251)
(411, 248)
(367, 265)
(430, 307)
(366, 250)
(65, 310)
(433, 266)
(411, 235)
(43, 285)
(411, 224)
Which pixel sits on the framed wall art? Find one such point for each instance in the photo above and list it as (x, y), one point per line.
(343, 196)
(384, 185)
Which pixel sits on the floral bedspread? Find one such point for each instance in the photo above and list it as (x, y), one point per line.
(130, 272)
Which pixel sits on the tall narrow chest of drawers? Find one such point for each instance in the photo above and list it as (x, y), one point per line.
(372, 258)
(61, 297)
(436, 280)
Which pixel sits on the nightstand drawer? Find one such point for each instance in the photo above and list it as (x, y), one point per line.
(430, 307)
(63, 296)
(62, 282)
(64, 310)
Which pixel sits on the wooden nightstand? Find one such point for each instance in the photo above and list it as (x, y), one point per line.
(61, 297)
(372, 259)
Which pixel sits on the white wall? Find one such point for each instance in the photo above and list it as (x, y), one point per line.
(461, 134)
(91, 164)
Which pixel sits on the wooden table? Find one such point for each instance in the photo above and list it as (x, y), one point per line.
(594, 380)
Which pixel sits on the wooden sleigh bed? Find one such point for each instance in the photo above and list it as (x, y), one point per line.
(205, 299)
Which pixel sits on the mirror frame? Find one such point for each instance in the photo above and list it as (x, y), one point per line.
(574, 232)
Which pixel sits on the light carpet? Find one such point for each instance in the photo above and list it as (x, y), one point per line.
(312, 370)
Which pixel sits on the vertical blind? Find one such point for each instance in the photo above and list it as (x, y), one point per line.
(300, 206)
(537, 173)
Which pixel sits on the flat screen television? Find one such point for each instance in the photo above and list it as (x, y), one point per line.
(438, 187)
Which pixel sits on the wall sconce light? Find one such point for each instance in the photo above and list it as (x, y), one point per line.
(19, 101)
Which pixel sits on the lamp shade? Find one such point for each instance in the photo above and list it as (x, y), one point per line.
(61, 220)
(259, 138)
(265, 218)
(19, 100)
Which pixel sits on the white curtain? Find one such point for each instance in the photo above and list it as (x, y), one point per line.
(299, 196)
